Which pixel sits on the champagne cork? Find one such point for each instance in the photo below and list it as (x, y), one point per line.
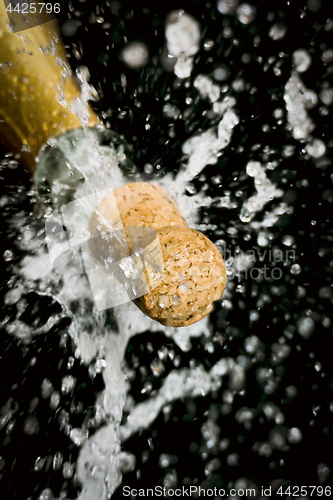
(34, 93)
(193, 274)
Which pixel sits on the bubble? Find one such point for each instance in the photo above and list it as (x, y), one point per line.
(254, 316)
(277, 439)
(157, 367)
(182, 33)
(57, 460)
(78, 436)
(263, 239)
(165, 460)
(55, 400)
(327, 56)
(305, 326)
(294, 435)
(288, 240)
(325, 292)
(39, 464)
(148, 168)
(190, 188)
(68, 470)
(291, 391)
(227, 6)
(238, 85)
(316, 148)
(70, 27)
(171, 111)
(135, 55)
(314, 5)
(277, 31)
(252, 344)
(253, 168)
(46, 494)
(295, 269)
(8, 255)
(233, 459)
(246, 13)
(175, 300)
(326, 96)
(302, 60)
(323, 472)
(288, 150)
(227, 32)
(278, 113)
(208, 44)
(31, 426)
(3, 201)
(67, 384)
(265, 450)
(245, 215)
(164, 301)
(221, 73)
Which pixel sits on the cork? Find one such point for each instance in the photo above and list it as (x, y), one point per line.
(190, 274)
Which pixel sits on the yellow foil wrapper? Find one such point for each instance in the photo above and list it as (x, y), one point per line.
(36, 89)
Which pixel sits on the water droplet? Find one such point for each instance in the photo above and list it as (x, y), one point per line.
(294, 435)
(208, 44)
(148, 168)
(305, 326)
(175, 300)
(55, 400)
(78, 436)
(39, 464)
(277, 31)
(57, 460)
(8, 255)
(246, 13)
(245, 215)
(68, 470)
(295, 269)
(288, 240)
(190, 188)
(302, 60)
(157, 367)
(46, 494)
(164, 301)
(316, 148)
(31, 426)
(327, 56)
(227, 6)
(67, 384)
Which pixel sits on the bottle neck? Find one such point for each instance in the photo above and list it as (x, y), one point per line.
(37, 92)
(81, 162)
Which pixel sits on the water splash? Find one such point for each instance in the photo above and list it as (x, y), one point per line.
(182, 34)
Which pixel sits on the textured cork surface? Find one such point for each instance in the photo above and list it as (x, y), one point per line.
(144, 204)
(193, 274)
(194, 277)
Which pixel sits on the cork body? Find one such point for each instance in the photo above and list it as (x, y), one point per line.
(193, 274)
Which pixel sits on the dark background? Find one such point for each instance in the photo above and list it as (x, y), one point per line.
(307, 185)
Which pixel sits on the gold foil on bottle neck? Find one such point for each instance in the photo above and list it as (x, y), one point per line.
(35, 94)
